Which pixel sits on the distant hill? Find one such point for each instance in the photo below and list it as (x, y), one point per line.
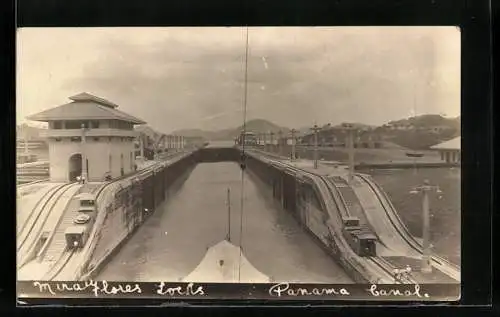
(429, 121)
(262, 126)
(357, 125)
(256, 126)
(190, 132)
(420, 132)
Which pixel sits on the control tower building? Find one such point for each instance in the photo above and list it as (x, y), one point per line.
(89, 137)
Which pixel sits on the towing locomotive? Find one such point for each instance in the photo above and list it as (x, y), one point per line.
(359, 238)
(247, 138)
(77, 234)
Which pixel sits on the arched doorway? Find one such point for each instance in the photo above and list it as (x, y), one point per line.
(75, 166)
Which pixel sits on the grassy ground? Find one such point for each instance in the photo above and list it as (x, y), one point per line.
(367, 156)
(445, 208)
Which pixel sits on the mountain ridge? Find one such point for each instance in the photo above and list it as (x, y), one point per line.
(254, 125)
(401, 138)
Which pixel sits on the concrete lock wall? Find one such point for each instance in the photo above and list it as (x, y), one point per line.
(130, 206)
(122, 214)
(303, 201)
(298, 197)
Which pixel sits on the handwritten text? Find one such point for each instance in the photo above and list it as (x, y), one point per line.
(97, 288)
(285, 289)
(189, 290)
(374, 290)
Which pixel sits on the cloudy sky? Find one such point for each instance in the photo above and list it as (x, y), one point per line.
(176, 78)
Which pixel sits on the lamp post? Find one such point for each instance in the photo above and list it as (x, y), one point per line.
(228, 215)
(315, 130)
(280, 142)
(84, 155)
(271, 145)
(293, 131)
(350, 143)
(426, 254)
(141, 145)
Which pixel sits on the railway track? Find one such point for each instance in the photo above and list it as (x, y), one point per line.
(380, 263)
(50, 193)
(389, 269)
(444, 265)
(34, 216)
(329, 197)
(38, 224)
(60, 264)
(67, 255)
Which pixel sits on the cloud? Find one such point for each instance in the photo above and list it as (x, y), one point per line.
(195, 77)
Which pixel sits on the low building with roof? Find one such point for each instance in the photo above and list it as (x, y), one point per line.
(450, 150)
(89, 136)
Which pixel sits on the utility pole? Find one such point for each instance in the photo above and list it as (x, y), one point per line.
(350, 143)
(426, 254)
(280, 142)
(84, 155)
(315, 130)
(271, 134)
(228, 215)
(293, 131)
(141, 145)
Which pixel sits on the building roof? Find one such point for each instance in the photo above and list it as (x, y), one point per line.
(88, 97)
(85, 106)
(453, 144)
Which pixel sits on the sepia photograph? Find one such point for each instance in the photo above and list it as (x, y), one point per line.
(306, 160)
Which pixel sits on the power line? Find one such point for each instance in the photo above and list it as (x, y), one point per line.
(243, 158)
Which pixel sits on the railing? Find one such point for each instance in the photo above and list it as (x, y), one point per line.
(55, 133)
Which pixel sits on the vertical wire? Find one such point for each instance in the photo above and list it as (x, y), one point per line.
(245, 97)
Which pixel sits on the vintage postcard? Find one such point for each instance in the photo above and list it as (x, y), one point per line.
(283, 163)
